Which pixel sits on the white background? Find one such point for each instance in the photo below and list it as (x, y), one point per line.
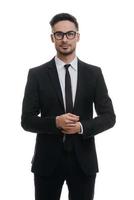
(107, 40)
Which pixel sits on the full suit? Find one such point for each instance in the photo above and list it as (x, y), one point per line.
(43, 96)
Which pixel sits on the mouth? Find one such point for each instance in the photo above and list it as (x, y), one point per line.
(64, 46)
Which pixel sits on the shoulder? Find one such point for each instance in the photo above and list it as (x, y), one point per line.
(89, 68)
(38, 70)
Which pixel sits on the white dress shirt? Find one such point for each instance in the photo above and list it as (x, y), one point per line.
(73, 70)
(73, 75)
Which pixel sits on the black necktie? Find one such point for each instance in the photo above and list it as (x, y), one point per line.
(69, 107)
(68, 90)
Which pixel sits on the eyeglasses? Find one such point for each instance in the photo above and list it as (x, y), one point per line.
(60, 35)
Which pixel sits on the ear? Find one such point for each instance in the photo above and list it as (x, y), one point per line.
(52, 38)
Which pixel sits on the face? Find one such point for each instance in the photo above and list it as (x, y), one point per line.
(65, 46)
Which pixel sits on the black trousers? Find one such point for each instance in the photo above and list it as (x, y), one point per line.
(80, 186)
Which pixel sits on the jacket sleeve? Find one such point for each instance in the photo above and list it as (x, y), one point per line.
(30, 119)
(103, 105)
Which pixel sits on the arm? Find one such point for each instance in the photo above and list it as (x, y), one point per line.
(30, 120)
(103, 105)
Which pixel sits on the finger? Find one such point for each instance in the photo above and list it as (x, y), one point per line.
(73, 118)
(70, 125)
(70, 122)
(72, 115)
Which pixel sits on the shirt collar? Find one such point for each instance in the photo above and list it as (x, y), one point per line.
(60, 63)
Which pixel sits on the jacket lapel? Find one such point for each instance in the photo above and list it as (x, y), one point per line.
(79, 88)
(54, 79)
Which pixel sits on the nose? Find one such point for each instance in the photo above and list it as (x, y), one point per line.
(64, 38)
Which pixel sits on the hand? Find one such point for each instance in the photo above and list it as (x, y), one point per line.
(67, 122)
(72, 130)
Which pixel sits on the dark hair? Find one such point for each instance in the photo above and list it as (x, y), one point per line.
(62, 17)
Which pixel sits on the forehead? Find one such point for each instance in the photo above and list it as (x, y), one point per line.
(64, 26)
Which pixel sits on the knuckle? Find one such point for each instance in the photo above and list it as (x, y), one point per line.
(65, 120)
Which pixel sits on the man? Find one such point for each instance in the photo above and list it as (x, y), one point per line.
(63, 92)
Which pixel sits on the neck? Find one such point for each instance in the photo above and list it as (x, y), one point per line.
(66, 58)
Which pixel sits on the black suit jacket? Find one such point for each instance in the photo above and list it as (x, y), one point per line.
(43, 96)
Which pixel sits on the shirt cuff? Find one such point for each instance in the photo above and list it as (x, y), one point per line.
(81, 129)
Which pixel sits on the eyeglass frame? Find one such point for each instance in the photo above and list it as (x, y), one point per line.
(65, 34)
